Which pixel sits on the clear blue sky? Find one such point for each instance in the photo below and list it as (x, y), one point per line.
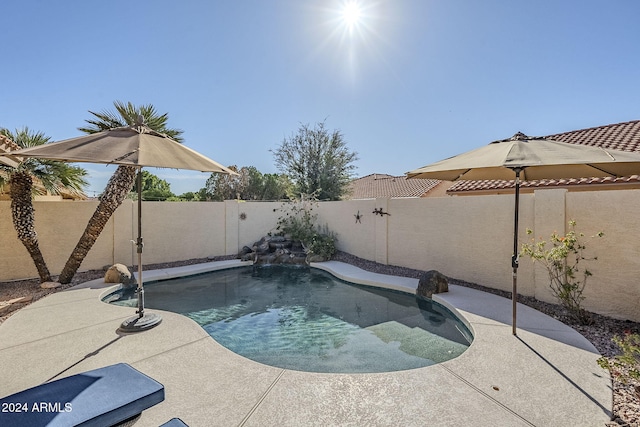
(412, 82)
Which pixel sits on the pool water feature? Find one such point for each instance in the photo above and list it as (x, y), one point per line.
(306, 319)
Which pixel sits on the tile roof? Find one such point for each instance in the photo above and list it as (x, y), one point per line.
(619, 136)
(496, 185)
(382, 185)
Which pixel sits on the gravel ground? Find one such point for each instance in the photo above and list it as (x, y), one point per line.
(626, 397)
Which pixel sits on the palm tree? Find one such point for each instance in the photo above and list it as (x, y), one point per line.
(54, 177)
(121, 182)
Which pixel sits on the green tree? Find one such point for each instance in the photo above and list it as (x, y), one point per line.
(121, 181)
(276, 187)
(54, 177)
(153, 188)
(254, 186)
(249, 184)
(203, 195)
(189, 196)
(317, 161)
(221, 187)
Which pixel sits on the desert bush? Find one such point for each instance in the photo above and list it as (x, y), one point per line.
(563, 258)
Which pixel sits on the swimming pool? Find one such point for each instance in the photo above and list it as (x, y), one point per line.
(306, 319)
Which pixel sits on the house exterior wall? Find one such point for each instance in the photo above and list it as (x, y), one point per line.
(468, 238)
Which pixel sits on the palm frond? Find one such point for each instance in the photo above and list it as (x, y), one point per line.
(54, 176)
(57, 177)
(25, 138)
(126, 114)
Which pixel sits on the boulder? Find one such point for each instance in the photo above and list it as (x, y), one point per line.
(280, 245)
(281, 255)
(119, 273)
(262, 247)
(266, 259)
(299, 259)
(278, 250)
(296, 246)
(432, 282)
(251, 256)
(316, 258)
(245, 250)
(50, 285)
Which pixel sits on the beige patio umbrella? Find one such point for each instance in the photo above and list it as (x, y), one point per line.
(525, 158)
(137, 146)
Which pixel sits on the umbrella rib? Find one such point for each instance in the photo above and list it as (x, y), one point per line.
(124, 156)
(462, 174)
(604, 170)
(608, 153)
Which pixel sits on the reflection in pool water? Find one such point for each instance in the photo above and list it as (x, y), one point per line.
(305, 319)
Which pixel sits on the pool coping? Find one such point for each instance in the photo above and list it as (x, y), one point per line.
(547, 375)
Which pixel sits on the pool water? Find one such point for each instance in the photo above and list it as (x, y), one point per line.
(306, 319)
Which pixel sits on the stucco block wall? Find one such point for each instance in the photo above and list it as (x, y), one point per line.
(248, 222)
(468, 238)
(615, 285)
(358, 238)
(174, 231)
(171, 231)
(59, 226)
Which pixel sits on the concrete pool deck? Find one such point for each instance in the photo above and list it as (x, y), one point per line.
(547, 375)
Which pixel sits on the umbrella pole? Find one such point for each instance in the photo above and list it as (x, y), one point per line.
(516, 252)
(142, 321)
(139, 246)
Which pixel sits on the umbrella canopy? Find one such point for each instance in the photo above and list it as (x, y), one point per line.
(537, 157)
(525, 158)
(131, 146)
(136, 146)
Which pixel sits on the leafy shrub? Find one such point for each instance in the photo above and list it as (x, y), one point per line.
(625, 366)
(298, 223)
(323, 243)
(564, 261)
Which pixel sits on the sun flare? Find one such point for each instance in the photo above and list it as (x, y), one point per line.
(351, 14)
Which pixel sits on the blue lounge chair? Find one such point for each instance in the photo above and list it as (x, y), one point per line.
(102, 397)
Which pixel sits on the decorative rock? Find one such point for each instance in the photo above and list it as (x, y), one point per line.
(280, 245)
(119, 273)
(316, 258)
(297, 259)
(267, 259)
(50, 285)
(278, 250)
(248, 257)
(262, 247)
(432, 282)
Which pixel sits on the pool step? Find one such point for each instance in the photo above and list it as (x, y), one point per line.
(418, 342)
